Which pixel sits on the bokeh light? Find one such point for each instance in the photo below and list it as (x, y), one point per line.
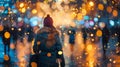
(81, 22)
(34, 11)
(19, 29)
(109, 9)
(6, 5)
(91, 23)
(115, 13)
(86, 18)
(14, 10)
(87, 25)
(34, 23)
(102, 24)
(26, 20)
(99, 33)
(91, 3)
(19, 19)
(49, 54)
(21, 5)
(7, 35)
(38, 43)
(60, 52)
(1, 28)
(96, 19)
(23, 10)
(12, 46)
(89, 47)
(33, 64)
(100, 6)
(6, 57)
(6, 11)
(84, 12)
(112, 23)
(79, 16)
(1, 9)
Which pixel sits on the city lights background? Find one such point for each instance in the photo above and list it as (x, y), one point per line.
(65, 13)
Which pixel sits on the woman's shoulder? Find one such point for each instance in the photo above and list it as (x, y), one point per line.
(49, 30)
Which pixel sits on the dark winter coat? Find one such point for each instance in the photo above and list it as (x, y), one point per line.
(47, 45)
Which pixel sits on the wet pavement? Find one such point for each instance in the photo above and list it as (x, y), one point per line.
(79, 57)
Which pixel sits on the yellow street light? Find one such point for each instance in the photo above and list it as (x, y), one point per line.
(34, 11)
(91, 3)
(23, 10)
(21, 5)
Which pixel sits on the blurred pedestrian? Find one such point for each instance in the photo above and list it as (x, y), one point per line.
(71, 33)
(21, 30)
(29, 33)
(14, 36)
(118, 30)
(118, 39)
(6, 35)
(105, 39)
(47, 46)
(84, 34)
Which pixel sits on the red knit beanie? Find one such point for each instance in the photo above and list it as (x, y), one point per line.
(48, 21)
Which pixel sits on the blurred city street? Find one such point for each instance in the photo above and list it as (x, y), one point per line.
(83, 33)
(79, 55)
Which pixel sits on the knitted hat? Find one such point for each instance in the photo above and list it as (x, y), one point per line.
(48, 21)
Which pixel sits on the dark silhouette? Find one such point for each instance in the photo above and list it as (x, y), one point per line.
(84, 34)
(47, 46)
(71, 33)
(6, 41)
(6, 36)
(21, 32)
(117, 31)
(105, 39)
(14, 34)
(29, 32)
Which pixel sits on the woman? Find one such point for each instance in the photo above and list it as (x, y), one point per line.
(47, 45)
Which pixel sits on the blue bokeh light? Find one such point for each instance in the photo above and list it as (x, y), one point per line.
(33, 21)
(14, 11)
(96, 19)
(91, 23)
(81, 22)
(86, 18)
(6, 5)
(26, 20)
(20, 19)
(112, 23)
(6, 11)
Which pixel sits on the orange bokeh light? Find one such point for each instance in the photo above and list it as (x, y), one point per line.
(1, 28)
(89, 47)
(49, 54)
(109, 9)
(6, 57)
(115, 13)
(34, 64)
(100, 7)
(7, 35)
(99, 33)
